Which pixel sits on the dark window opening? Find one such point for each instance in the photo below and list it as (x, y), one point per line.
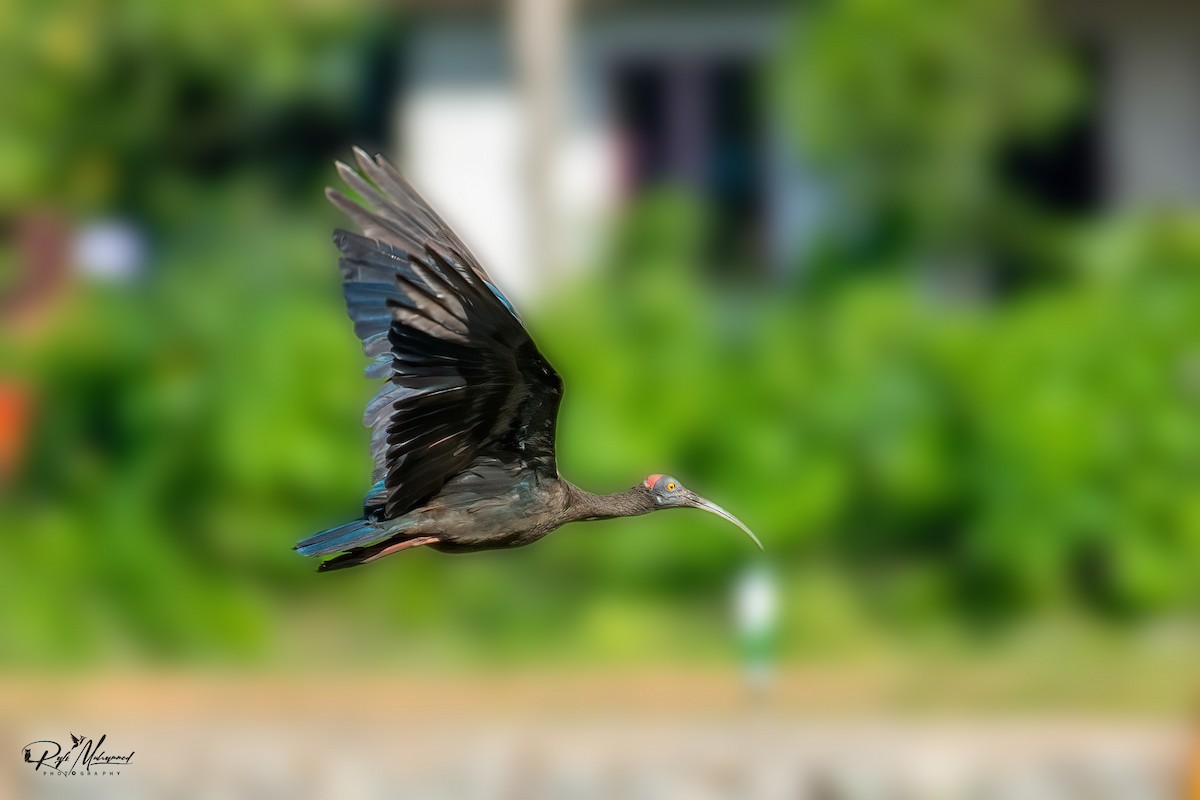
(1064, 173)
(640, 94)
(735, 166)
(696, 122)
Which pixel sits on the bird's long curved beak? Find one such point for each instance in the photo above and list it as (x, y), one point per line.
(696, 501)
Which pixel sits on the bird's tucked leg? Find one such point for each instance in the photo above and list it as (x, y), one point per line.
(364, 555)
(402, 545)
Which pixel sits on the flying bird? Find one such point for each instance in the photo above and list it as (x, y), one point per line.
(463, 430)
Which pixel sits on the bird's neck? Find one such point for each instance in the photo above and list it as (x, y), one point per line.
(585, 505)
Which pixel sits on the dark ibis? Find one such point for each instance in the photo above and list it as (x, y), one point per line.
(463, 430)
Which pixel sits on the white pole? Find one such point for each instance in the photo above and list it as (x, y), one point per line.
(756, 607)
(541, 30)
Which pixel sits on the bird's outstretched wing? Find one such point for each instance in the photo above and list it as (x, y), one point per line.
(465, 380)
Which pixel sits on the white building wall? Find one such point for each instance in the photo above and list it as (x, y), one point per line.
(1149, 95)
(461, 143)
(1152, 115)
(464, 144)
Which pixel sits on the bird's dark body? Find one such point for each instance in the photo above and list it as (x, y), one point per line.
(474, 514)
(466, 522)
(463, 431)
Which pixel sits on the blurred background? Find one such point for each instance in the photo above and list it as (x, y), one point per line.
(912, 287)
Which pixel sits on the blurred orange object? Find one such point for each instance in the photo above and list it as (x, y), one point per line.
(16, 403)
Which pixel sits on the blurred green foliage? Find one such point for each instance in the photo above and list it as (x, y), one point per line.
(989, 457)
(120, 105)
(911, 106)
(956, 460)
(940, 458)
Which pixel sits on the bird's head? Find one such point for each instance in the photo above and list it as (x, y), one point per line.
(667, 492)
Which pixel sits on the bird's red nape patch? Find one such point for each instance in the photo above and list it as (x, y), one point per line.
(651, 480)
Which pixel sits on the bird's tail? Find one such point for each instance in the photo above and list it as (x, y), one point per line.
(353, 534)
